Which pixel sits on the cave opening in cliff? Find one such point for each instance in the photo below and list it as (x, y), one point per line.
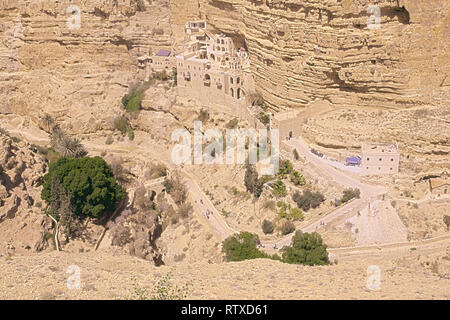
(401, 13)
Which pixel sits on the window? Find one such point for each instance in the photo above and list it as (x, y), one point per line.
(380, 159)
(231, 80)
(392, 159)
(368, 159)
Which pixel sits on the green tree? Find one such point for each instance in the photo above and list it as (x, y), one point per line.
(287, 227)
(307, 249)
(308, 199)
(90, 183)
(242, 246)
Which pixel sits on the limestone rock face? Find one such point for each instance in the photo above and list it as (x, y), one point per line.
(22, 222)
(302, 50)
(76, 71)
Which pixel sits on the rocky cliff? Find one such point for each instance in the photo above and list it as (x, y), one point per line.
(301, 51)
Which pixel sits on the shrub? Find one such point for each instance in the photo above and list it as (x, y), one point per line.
(232, 124)
(90, 183)
(132, 101)
(109, 140)
(251, 181)
(264, 118)
(122, 124)
(163, 290)
(307, 249)
(447, 221)
(176, 188)
(203, 115)
(297, 178)
(285, 169)
(267, 226)
(350, 194)
(241, 247)
(269, 204)
(279, 189)
(287, 227)
(185, 210)
(296, 155)
(308, 199)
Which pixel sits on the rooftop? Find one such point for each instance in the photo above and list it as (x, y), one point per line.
(163, 53)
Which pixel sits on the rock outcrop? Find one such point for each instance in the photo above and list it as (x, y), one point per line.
(23, 225)
(303, 50)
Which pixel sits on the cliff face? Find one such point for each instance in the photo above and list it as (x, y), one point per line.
(302, 50)
(75, 74)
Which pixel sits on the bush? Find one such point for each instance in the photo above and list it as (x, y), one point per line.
(296, 155)
(297, 178)
(279, 189)
(132, 101)
(285, 169)
(287, 227)
(203, 115)
(447, 221)
(89, 181)
(232, 124)
(264, 118)
(176, 188)
(308, 199)
(307, 249)
(122, 124)
(241, 247)
(267, 226)
(350, 194)
(109, 140)
(251, 181)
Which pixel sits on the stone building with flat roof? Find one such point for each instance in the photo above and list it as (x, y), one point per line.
(380, 159)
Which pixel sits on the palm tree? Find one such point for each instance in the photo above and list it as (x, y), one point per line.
(48, 121)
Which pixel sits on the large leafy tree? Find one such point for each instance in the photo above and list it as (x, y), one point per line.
(89, 181)
(242, 246)
(306, 248)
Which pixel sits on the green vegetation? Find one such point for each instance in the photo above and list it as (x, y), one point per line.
(132, 101)
(267, 226)
(66, 145)
(285, 169)
(89, 182)
(279, 189)
(264, 118)
(176, 188)
(308, 199)
(269, 205)
(447, 221)
(296, 155)
(232, 124)
(251, 181)
(306, 248)
(348, 195)
(122, 124)
(297, 178)
(287, 227)
(242, 246)
(285, 211)
(203, 116)
(163, 290)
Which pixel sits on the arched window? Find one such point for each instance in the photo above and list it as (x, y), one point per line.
(231, 80)
(232, 92)
(238, 80)
(238, 93)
